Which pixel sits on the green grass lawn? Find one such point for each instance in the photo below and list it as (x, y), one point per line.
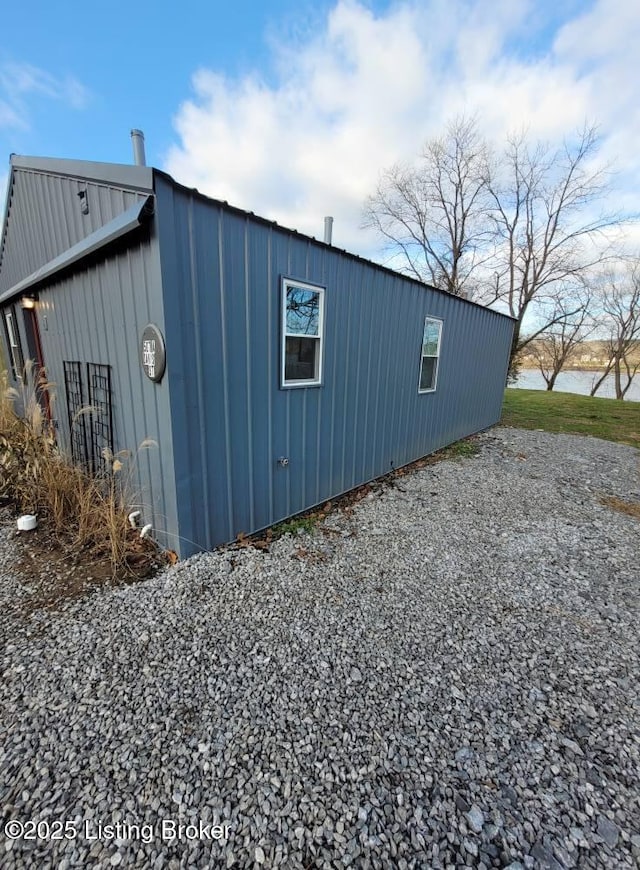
(568, 412)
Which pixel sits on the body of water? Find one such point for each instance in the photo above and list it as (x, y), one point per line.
(578, 381)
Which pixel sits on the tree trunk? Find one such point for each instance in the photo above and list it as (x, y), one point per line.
(618, 382)
(629, 373)
(600, 381)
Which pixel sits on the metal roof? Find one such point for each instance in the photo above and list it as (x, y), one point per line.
(124, 183)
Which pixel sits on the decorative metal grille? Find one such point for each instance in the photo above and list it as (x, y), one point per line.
(77, 421)
(101, 434)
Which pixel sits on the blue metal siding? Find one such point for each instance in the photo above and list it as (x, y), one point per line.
(222, 274)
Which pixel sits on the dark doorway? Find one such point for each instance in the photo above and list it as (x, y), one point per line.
(34, 347)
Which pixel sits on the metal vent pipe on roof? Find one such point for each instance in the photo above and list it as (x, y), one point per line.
(137, 140)
(328, 230)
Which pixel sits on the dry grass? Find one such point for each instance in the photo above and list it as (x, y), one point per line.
(89, 512)
(631, 508)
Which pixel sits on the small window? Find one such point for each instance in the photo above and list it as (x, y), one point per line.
(430, 354)
(302, 330)
(17, 363)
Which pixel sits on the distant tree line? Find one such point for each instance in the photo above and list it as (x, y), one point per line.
(522, 229)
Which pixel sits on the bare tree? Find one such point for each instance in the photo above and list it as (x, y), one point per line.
(525, 225)
(561, 342)
(434, 213)
(547, 226)
(620, 315)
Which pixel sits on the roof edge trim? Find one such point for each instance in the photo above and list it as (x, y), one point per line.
(117, 174)
(120, 226)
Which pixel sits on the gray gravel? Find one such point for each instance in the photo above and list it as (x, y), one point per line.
(444, 676)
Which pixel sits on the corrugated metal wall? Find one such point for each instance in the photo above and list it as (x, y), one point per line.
(45, 219)
(96, 314)
(222, 275)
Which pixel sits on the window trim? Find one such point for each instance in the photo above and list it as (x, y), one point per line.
(288, 283)
(440, 322)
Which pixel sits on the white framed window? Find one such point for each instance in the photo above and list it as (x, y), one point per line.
(302, 334)
(431, 339)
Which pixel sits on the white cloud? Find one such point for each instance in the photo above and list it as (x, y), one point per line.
(10, 116)
(371, 87)
(601, 50)
(21, 82)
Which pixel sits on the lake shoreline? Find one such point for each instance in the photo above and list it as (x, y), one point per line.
(588, 369)
(578, 381)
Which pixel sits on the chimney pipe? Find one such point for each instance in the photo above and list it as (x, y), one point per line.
(137, 140)
(328, 230)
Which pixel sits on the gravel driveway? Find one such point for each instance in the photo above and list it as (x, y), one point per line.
(444, 676)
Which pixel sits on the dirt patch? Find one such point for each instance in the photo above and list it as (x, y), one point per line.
(631, 508)
(50, 571)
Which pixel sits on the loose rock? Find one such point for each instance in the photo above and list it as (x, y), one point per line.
(442, 675)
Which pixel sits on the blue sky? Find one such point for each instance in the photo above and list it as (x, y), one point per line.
(133, 62)
(291, 109)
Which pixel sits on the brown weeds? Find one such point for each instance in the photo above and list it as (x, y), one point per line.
(90, 512)
(631, 508)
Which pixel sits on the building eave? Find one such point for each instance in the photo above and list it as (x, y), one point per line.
(120, 226)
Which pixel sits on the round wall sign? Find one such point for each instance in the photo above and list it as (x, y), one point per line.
(152, 353)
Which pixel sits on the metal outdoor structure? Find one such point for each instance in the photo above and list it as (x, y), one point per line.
(77, 420)
(236, 451)
(89, 414)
